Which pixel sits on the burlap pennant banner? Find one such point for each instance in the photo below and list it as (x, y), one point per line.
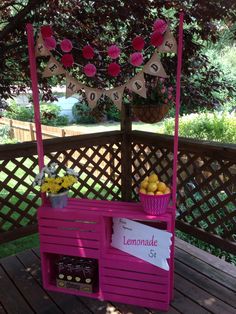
(137, 85)
(72, 85)
(116, 95)
(92, 95)
(169, 43)
(154, 67)
(40, 48)
(53, 68)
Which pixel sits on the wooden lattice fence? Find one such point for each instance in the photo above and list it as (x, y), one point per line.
(206, 191)
(96, 158)
(112, 165)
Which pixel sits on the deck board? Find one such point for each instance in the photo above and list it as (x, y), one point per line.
(203, 284)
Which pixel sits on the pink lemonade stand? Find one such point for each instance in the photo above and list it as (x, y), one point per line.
(126, 254)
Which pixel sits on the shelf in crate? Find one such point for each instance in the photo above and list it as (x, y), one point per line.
(53, 287)
(97, 208)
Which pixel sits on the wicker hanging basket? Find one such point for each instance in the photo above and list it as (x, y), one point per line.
(149, 113)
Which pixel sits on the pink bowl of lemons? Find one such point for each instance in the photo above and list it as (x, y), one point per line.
(154, 195)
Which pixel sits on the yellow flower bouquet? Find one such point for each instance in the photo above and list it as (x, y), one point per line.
(55, 184)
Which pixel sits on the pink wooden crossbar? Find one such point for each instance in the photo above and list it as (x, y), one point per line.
(85, 243)
(128, 266)
(62, 233)
(68, 225)
(99, 208)
(69, 250)
(136, 284)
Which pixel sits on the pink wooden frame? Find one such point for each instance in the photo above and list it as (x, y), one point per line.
(87, 233)
(101, 212)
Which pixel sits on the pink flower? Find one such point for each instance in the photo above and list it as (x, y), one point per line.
(88, 52)
(90, 70)
(50, 43)
(156, 39)
(46, 31)
(169, 96)
(138, 43)
(113, 52)
(113, 69)
(166, 101)
(66, 45)
(170, 89)
(67, 60)
(136, 59)
(162, 79)
(160, 26)
(163, 90)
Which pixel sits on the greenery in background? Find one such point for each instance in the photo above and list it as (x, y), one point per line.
(231, 258)
(82, 113)
(113, 113)
(5, 135)
(16, 246)
(105, 110)
(102, 22)
(50, 114)
(216, 126)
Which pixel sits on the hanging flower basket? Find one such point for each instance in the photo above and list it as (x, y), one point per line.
(150, 113)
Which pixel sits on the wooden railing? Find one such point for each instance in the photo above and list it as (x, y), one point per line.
(206, 183)
(112, 165)
(25, 131)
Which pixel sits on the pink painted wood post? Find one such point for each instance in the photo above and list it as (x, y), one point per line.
(177, 104)
(35, 93)
(176, 141)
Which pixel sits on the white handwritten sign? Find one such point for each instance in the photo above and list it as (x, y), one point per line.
(147, 243)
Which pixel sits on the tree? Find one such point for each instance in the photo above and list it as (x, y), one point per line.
(101, 22)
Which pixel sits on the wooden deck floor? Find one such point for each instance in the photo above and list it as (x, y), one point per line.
(203, 284)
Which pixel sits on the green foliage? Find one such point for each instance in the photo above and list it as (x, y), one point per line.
(216, 126)
(113, 113)
(82, 113)
(158, 93)
(5, 135)
(207, 247)
(18, 112)
(19, 245)
(50, 114)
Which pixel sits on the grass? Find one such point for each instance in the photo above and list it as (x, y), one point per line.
(230, 258)
(19, 245)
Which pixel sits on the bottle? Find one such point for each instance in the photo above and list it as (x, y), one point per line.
(60, 270)
(70, 269)
(78, 270)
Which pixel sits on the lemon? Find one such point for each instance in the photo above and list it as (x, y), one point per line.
(153, 178)
(158, 193)
(167, 190)
(143, 191)
(150, 193)
(161, 186)
(144, 184)
(145, 179)
(152, 186)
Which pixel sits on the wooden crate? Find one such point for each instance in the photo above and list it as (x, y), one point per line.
(84, 229)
